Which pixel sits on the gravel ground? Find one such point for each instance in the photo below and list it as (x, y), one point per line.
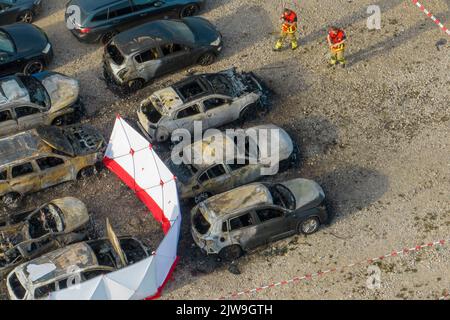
(375, 135)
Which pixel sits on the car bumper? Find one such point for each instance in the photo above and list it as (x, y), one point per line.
(91, 37)
(48, 57)
(110, 77)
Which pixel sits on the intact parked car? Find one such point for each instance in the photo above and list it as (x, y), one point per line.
(46, 156)
(214, 99)
(203, 173)
(30, 234)
(46, 98)
(12, 11)
(101, 20)
(24, 48)
(242, 219)
(82, 261)
(139, 55)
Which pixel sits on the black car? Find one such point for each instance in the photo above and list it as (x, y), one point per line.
(24, 48)
(139, 55)
(99, 20)
(12, 11)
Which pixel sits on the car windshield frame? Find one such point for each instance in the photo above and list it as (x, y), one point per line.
(285, 203)
(209, 78)
(36, 91)
(6, 38)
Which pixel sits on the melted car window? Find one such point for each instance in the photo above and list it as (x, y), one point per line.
(188, 112)
(171, 48)
(5, 116)
(268, 214)
(3, 175)
(200, 223)
(22, 170)
(282, 196)
(213, 103)
(49, 162)
(44, 291)
(25, 111)
(243, 221)
(36, 90)
(146, 56)
(220, 84)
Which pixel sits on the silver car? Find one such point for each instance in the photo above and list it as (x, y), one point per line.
(27, 102)
(244, 157)
(211, 99)
(242, 219)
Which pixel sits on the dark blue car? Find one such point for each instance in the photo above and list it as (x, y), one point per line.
(12, 11)
(99, 20)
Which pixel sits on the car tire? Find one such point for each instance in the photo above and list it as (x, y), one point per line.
(27, 17)
(33, 66)
(201, 197)
(11, 200)
(231, 253)
(162, 135)
(106, 38)
(66, 119)
(308, 226)
(189, 10)
(248, 113)
(135, 85)
(207, 59)
(85, 173)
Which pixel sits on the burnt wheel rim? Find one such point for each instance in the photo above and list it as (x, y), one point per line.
(34, 67)
(310, 225)
(189, 11)
(135, 85)
(27, 17)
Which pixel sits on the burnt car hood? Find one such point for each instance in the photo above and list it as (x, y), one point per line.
(55, 138)
(28, 39)
(308, 194)
(63, 91)
(74, 213)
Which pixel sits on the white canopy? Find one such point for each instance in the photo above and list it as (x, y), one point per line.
(132, 158)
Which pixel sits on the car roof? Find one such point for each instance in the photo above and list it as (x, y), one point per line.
(152, 34)
(19, 146)
(238, 200)
(90, 6)
(78, 255)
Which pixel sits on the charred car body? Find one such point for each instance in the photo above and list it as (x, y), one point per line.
(12, 11)
(43, 157)
(47, 98)
(221, 162)
(101, 20)
(28, 235)
(139, 55)
(24, 48)
(81, 261)
(239, 220)
(213, 99)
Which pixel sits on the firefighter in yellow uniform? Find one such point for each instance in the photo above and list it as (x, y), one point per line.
(288, 29)
(336, 41)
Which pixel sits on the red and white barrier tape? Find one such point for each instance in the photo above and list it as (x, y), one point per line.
(322, 273)
(432, 17)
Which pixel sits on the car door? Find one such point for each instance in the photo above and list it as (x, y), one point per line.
(275, 223)
(25, 178)
(54, 170)
(218, 111)
(29, 117)
(8, 124)
(121, 16)
(213, 180)
(245, 231)
(148, 63)
(8, 13)
(176, 56)
(146, 10)
(186, 117)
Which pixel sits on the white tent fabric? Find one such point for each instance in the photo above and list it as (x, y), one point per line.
(133, 160)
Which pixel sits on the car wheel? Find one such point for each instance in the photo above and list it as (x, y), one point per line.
(248, 113)
(26, 17)
(11, 200)
(309, 225)
(32, 67)
(231, 253)
(64, 120)
(201, 197)
(135, 85)
(207, 59)
(85, 173)
(162, 135)
(189, 11)
(106, 38)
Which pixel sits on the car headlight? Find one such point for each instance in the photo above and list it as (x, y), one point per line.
(47, 48)
(216, 42)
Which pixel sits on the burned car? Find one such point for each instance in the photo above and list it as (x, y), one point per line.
(12, 11)
(213, 99)
(46, 98)
(30, 234)
(46, 156)
(139, 55)
(224, 161)
(24, 48)
(242, 219)
(73, 264)
(101, 20)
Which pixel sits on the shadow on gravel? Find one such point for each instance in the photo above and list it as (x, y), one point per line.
(351, 189)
